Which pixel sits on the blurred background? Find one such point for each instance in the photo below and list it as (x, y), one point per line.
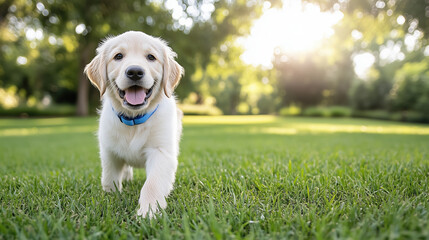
(331, 58)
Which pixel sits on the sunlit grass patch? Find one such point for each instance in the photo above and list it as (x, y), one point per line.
(251, 119)
(299, 125)
(45, 130)
(333, 128)
(27, 127)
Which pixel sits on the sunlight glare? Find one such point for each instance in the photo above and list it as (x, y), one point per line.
(363, 62)
(295, 28)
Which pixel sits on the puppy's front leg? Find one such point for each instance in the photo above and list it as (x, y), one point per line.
(161, 168)
(112, 170)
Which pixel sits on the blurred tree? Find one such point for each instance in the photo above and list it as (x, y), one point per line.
(233, 86)
(341, 77)
(360, 96)
(411, 89)
(303, 79)
(377, 27)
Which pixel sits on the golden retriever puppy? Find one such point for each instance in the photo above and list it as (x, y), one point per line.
(140, 125)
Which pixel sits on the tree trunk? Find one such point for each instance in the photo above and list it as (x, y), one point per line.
(82, 106)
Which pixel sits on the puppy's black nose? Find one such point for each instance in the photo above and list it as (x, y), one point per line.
(134, 73)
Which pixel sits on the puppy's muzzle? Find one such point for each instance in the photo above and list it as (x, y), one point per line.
(134, 73)
(135, 95)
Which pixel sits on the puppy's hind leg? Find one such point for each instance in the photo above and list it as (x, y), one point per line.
(112, 171)
(127, 173)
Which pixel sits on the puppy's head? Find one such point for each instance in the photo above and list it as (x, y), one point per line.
(134, 70)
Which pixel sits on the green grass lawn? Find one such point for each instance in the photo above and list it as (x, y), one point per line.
(246, 177)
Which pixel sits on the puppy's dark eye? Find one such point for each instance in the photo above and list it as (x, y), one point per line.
(151, 57)
(118, 56)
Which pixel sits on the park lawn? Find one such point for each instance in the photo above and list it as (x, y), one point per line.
(252, 177)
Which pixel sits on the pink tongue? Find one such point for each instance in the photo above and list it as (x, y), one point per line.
(135, 95)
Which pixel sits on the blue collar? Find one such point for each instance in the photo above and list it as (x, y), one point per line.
(137, 120)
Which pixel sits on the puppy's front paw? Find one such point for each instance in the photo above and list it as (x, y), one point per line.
(149, 206)
(145, 211)
(108, 188)
(111, 187)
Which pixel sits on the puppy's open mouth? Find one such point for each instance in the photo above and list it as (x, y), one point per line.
(135, 96)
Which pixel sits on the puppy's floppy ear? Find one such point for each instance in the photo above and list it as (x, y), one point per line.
(172, 72)
(97, 72)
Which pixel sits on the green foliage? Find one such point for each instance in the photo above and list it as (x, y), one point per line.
(332, 111)
(411, 89)
(292, 110)
(406, 116)
(315, 112)
(248, 177)
(303, 79)
(377, 21)
(361, 97)
(338, 111)
(411, 10)
(235, 86)
(373, 93)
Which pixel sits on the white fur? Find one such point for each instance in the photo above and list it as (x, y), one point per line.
(154, 144)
